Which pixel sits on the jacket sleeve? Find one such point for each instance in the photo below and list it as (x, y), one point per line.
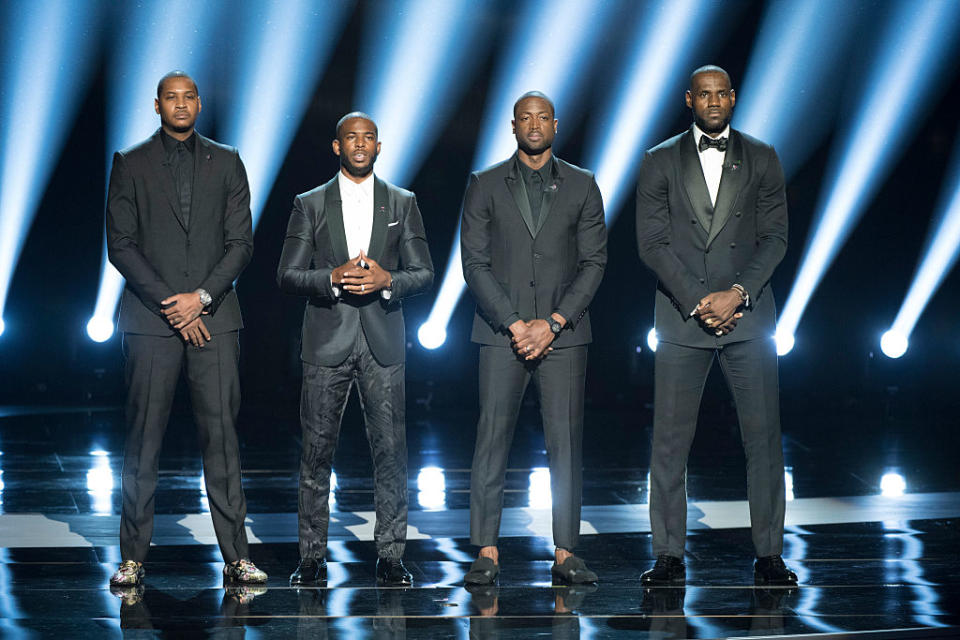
(295, 273)
(123, 250)
(653, 238)
(771, 228)
(237, 237)
(415, 274)
(591, 258)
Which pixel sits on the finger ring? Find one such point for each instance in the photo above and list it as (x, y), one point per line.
(363, 288)
(528, 348)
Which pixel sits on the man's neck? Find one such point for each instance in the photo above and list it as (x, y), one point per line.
(177, 135)
(537, 161)
(352, 178)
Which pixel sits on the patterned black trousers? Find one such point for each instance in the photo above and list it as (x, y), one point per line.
(322, 402)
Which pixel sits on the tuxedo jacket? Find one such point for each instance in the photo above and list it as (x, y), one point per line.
(515, 267)
(696, 248)
(316, 244)
(158, 254)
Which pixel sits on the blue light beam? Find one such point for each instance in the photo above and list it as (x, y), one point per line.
(793, 67)
(153, 39)
(940, 254)
(523, 67)
(417, 59)
(916, 48)
(47, 61)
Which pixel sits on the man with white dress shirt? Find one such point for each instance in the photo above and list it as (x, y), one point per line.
(355, 247)
(712, 225)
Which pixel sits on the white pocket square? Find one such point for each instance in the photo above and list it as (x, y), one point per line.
(393, 224)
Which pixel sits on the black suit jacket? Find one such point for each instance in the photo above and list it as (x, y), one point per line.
(514, 267)
(316, 244)
(695, 253)
(158, 255)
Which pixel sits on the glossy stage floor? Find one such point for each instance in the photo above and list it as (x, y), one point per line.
(870, 565)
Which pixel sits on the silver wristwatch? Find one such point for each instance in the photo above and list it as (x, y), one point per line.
(205, 298)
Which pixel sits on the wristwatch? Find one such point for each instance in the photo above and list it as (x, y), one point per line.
(555, 326)
(205, 298)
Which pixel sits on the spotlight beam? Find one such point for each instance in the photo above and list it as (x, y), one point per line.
(918, 43)
(571, 22)
(47, 58)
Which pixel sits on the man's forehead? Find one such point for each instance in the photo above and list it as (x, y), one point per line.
(359, 124)
(533, 105)
(179, 85)
(710, 78)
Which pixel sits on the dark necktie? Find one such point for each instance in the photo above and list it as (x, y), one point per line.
(184, 181)
(535, 196)
(720, 144)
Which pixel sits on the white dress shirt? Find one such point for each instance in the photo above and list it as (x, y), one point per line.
(711, 161)
(356, 200)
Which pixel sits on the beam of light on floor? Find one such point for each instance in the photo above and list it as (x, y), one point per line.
(918, 41)
(521, 68)
(666, 45)
(417, 58)
(939, 257)
(793, 67)
(47, 62)
(150, 41)
(282, 50)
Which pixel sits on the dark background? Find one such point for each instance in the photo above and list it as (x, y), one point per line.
(835, 377)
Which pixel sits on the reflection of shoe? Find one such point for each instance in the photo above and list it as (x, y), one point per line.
(129, 574)
(483, 571)
(244, 571)
(772, 571)
(129, 595)
(663, 600)
(668, 570)
(310, 571)
(392, 573)
(573, 571)
(572, 597)
(245, 594)
(770, 599)
(483, 596)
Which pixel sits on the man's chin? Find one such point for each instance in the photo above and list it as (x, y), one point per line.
(531, 150)
(357, 172)
(714, 127)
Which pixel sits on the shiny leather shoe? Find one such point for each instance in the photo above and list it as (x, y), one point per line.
(392, 573)
(668, 571)
(772, 571)
(309, 571)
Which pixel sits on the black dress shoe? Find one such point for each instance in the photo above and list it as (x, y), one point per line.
(309, 571)
(483, 571)
(392, 573)
(772, 571)
(666, 572)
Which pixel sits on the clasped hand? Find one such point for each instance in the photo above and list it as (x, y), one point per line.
(718, 313)
(531, 340)
(353, 277)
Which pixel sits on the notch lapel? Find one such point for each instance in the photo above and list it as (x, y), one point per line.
(202, 166)
(378, 235)
(519, 193)
(549, 193)
(333, 210)
(694, 183)
(158, 157)
(731, 183)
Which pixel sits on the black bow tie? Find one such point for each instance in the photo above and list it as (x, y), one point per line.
(720, 144)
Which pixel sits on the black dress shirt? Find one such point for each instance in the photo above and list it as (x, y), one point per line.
(534, 181)
(180, 159)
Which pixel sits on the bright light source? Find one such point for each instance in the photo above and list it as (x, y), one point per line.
(892, 485)
(788, 482)
(333, 487)
(540, 496)
(100, 329)
(652, 340)
(100, 484)
(3, 325)
(432, 488)
(99, 452)
(784, 342)
(432, 335)
(893, 344)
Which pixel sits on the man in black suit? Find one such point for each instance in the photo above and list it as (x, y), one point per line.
(712, 224)
(355, 247)
(179, 231)
(534, 247)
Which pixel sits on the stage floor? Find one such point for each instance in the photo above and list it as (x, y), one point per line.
(869, 564)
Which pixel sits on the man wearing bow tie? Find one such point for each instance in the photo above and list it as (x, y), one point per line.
(534, 248)
(712, 224)
(355, 247)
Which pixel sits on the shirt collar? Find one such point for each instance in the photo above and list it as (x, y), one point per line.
(698, 133)
(545, 171)
(356, 190)
(170, 143)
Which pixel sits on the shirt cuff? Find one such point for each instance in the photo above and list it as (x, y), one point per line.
(336, 289)
(386, 294)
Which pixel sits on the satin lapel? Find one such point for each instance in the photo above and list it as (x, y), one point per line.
(202, 166)
(731, 182)
(381, 215)
(519, 193)
(694, 183)
(549, 193)
(158, 158)
(333, 210)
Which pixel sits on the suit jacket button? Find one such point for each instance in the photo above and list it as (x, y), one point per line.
(533, 283)
(186, 274)
(738, 214)
(694, 221)
(702, 280)
(537, 256)
(733, 245)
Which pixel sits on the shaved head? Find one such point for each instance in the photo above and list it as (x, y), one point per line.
(351, 116)
(176, 74)
(709, 68)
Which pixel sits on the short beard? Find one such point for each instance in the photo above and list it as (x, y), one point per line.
(354, 170)
(531, 151)
(708, 129)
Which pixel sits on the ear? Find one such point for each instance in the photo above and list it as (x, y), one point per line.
(733, 97)
(156, 105)
(689, 98)
(513, 124)
(555, 121)
(336, 147)
(378, 148)
(199, 105)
